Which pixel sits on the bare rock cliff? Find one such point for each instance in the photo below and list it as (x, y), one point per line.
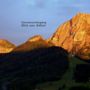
(74, 36)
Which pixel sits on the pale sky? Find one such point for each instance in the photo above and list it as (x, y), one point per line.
(53, 12)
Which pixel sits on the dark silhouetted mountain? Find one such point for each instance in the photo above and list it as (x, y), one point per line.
(40, 65)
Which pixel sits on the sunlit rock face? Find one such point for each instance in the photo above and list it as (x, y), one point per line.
(6, 46)
(74, 36)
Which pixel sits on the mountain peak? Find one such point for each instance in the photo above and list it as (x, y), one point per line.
(35, 38)
(81, 17)
(74, 36)
(34, 42)
(6, 46)
(6, 43)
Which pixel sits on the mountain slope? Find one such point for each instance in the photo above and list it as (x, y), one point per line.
(74, 36)
(33, 43)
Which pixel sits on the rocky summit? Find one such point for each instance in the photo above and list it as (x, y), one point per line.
(74, 36)
(6, 46)
(32, 43)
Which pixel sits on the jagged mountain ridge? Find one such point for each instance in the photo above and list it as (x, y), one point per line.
(44, 63)
(73, 36)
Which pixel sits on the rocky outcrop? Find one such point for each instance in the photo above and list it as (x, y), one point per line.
(6, 46)
(74, 36)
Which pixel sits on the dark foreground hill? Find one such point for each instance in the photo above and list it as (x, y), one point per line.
(25, 69)
(82, 73)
